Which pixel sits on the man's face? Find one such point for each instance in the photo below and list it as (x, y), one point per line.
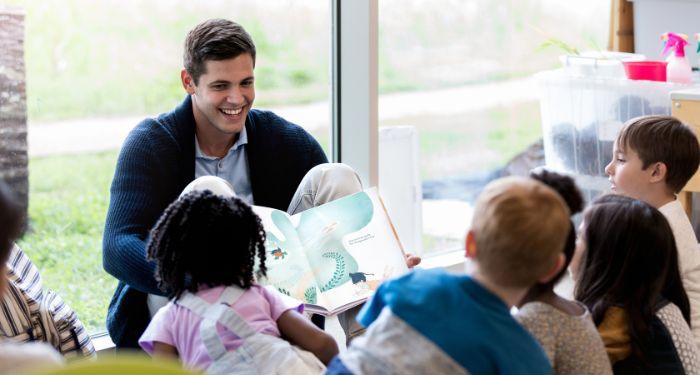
(223, 96)
(626, 175)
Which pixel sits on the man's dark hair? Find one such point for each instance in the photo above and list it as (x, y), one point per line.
(203, 239)
(12, 221)
(663, 139)
(215, 39)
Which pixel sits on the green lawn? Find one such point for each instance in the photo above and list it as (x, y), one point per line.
(69, 196)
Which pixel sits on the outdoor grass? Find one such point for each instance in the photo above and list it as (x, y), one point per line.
(68, 202)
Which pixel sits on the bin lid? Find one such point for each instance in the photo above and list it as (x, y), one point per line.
(687, 94)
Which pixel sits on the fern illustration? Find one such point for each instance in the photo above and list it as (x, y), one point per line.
(284, 291)
(339, 272)
(310, 295)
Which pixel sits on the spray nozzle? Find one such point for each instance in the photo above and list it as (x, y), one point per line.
(675, 41)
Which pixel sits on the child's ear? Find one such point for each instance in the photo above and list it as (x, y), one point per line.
(558, 265)
(470, 245)
(658, 172)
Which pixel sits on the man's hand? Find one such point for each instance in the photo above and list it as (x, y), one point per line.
(412, 260)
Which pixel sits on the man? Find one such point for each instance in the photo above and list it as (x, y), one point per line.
(214, 131)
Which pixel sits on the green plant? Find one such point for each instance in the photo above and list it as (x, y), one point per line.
(560, 44)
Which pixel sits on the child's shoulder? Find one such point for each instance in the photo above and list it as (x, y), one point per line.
(682, 229)
(422, 290)
(422, 281)
(545, 317)
(427, 277)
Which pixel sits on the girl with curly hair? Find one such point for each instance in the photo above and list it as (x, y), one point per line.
(206, 247)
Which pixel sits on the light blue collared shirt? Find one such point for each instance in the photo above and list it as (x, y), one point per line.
(233, 167)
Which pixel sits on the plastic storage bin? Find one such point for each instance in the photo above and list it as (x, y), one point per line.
(581, 117)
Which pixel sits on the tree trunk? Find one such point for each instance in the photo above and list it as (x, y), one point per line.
(13, 104)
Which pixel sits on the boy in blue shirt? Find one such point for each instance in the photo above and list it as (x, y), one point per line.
(430, 321)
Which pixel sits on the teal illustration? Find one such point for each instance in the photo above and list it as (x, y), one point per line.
(316, 243)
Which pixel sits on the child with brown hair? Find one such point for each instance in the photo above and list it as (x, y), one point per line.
(430, 321)
(653, 158)
(626, 272)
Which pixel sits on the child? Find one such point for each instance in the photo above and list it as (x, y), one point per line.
(18, 357)
(435, 322)
(653, 158)
(206, 247)
(564, 328)
(626, 269)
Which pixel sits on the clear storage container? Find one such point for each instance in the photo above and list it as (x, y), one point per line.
(581, 116)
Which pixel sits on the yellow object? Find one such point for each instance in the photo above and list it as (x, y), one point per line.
(121, 365)
(614, 330)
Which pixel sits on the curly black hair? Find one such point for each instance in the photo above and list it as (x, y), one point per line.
(203, 239)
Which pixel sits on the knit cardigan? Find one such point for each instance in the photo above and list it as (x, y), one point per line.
(155, 164)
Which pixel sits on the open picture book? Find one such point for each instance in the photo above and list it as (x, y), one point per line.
(332, 257)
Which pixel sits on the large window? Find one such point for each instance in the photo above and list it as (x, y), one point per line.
(96, 68)
(463, 69)
(456, 70)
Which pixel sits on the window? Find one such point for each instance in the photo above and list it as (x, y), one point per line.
(457, 70)
(94, 69)
(460, 73)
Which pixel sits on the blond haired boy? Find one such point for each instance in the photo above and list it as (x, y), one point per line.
(653, 158)
(430, 321)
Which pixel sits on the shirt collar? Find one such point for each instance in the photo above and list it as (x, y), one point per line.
(242, 140)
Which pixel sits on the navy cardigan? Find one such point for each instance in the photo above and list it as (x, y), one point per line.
(155, 164)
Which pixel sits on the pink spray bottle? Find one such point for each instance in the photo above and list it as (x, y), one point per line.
(678, 69)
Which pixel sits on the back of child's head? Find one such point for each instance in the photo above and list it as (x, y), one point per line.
(203, 239)
(567, 189)
(11, 221)
(663, 139)
(519, 227)
(630, 260)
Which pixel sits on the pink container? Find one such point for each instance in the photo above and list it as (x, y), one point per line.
(646, 70)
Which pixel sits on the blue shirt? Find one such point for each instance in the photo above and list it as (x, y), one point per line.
(468, 322)
(233, 167)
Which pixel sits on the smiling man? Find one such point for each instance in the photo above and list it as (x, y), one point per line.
(214, 131)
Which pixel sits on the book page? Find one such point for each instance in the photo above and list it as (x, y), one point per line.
(288, 271)
(351, 248)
